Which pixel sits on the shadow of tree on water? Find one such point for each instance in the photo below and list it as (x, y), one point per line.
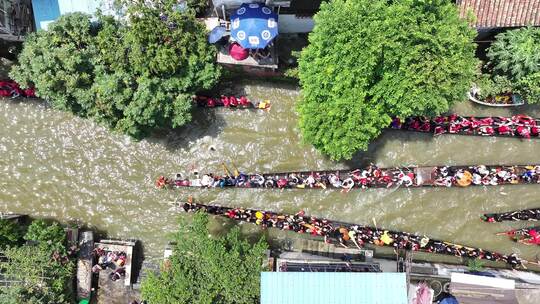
(365, 158)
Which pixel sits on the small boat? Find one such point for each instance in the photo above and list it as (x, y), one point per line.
(9, 88)
(517, 215)
(502, 100)
(527, 236)
(369, 177)
(232, 102)
(518, 126)
(351, 234)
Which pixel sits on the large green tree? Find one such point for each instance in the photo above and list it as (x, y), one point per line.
(35, 278)
(131, 76)
(59, 63)
(370, 60)
(204, 269)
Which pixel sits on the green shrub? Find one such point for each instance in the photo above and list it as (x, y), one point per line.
(492, 86)
(516, 53)
(50, 236)
(35, 277)
(133, 78)
(529, 87)
(10, 234)
(370, 60)
(208, 270)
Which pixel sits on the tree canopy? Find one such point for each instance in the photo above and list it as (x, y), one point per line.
(132, 77)
(39, 272)
(370, 60)
(50, 236)
(204, 269)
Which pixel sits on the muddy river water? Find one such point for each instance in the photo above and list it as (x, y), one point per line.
(56, 165)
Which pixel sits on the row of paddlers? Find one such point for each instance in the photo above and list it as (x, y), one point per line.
(521, 126)
(369, 177)
(345, 233)
(529, 235)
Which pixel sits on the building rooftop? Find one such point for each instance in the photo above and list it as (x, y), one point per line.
(502, 13)
(333, 287)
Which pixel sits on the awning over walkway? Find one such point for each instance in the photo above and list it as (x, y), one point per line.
(332, 287)
(474, 289)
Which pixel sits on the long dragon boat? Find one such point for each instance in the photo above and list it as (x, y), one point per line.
(516, 215)
(520, 126)
(369, 177)
(347, 234)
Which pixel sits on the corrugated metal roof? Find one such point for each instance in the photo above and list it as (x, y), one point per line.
(333, 287)
(502, 13)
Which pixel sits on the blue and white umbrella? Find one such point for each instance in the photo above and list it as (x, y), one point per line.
(254, 25)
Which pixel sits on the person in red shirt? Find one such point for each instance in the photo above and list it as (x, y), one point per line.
(233, 101)
(504, 129)
(244, 102)
(211, 103)
(523, 132)
(534, 131)
(225, 101)
(533, 239)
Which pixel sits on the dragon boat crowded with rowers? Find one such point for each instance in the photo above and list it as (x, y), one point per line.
(520, 126)
(369, 177)
(233, 102)
(346, 234)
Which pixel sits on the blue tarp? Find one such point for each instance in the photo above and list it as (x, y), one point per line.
(333, 287)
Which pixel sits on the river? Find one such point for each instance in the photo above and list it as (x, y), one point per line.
(59, 166)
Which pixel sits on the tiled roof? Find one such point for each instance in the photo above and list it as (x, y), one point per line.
(502, 13)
